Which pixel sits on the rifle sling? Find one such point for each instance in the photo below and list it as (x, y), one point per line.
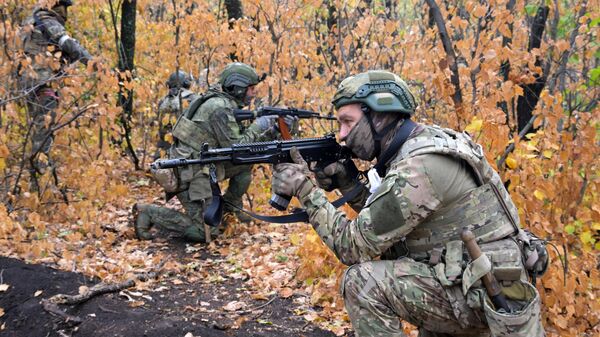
(214, 212)
(401, 136)
(300, 215)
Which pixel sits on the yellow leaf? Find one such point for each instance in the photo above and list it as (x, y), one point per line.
(295, 239)
(475, 126)
(586, 237)
(511, 163)
(2, 164)
(539, 194)
(4, 152)
(547, 154)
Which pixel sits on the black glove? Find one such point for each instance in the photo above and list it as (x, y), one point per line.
(341, 175)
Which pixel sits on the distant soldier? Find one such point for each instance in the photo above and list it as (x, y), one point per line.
(176, 100)
(209, 119)
(44, 31)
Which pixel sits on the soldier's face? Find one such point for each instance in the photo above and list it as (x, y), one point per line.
(348, 117)
(250, 95)
(61, 11)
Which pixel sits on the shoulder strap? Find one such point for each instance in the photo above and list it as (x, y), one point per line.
(401, 136)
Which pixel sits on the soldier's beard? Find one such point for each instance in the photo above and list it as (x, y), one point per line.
(360, 140)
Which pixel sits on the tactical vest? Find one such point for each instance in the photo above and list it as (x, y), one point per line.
(186, 130)
(487, 210)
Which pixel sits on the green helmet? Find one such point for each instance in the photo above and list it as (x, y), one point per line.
(179, 79)
(65, 3)
(380, 90)
(239, 75)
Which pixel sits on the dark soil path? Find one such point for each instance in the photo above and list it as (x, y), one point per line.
(187, 309)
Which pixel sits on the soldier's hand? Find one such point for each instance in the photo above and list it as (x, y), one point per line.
(266, 123)
(292, 179)
(292, 124)
(341, 174)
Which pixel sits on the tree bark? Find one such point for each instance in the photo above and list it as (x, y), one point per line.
(126, 64)
(234, 9)
(450, 55)
(531, 92)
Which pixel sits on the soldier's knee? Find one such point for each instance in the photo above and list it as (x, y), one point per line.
(354, 280)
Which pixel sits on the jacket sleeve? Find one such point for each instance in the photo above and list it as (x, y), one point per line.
(405, 197)
(227, 131)
(70, 47)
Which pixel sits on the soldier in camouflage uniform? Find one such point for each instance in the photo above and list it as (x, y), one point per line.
(45, 30)
(179, 84)
(210, 120)
(404, 250)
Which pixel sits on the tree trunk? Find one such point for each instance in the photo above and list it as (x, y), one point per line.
(126, 63)
(234, 9)
(531, 92)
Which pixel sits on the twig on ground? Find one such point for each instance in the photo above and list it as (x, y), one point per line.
(51, 304)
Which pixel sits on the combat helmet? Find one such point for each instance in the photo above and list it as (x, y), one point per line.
(179, 79)
(237, 77)
(379, 90)
(65, 3)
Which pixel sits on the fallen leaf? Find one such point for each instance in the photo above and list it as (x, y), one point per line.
(177, 281)
(37, 293)
(189, 334)
(286, 292)
(2, 313)
(135, 304)
(83, 289)
(259, 296)
(234, 306)
(4, 287)
(204, 304)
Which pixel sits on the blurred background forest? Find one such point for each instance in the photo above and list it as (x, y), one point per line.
(522, 76)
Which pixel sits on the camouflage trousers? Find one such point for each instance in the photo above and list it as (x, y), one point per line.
(42, 105)
(191, 223)
(378, 294)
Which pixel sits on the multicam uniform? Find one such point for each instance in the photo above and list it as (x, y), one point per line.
(47, 28)
(212, 122)
(438, 183)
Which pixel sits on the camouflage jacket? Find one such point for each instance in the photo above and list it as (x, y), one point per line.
(42, 29)
(420, 196)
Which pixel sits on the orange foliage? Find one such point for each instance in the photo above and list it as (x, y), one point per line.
(553, 172)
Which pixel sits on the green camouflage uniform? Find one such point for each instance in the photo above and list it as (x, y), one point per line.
(212, 122)
(438, 183)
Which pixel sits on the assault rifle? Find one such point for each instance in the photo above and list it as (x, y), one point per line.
(243, 115)
(322, 151)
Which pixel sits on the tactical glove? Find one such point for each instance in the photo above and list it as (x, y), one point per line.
(266, 123)
(341, 175)
(292, 179)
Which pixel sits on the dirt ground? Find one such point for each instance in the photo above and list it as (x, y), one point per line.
(187, 309)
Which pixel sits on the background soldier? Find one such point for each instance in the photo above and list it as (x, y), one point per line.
(209, 120)
(45, 31)
(179, 84)
(433, 183)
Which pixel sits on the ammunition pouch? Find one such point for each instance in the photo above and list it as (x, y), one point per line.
(167, 179)
(523, 320)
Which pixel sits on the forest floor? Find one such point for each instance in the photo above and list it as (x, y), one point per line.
(171, 307)
(248, 282)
